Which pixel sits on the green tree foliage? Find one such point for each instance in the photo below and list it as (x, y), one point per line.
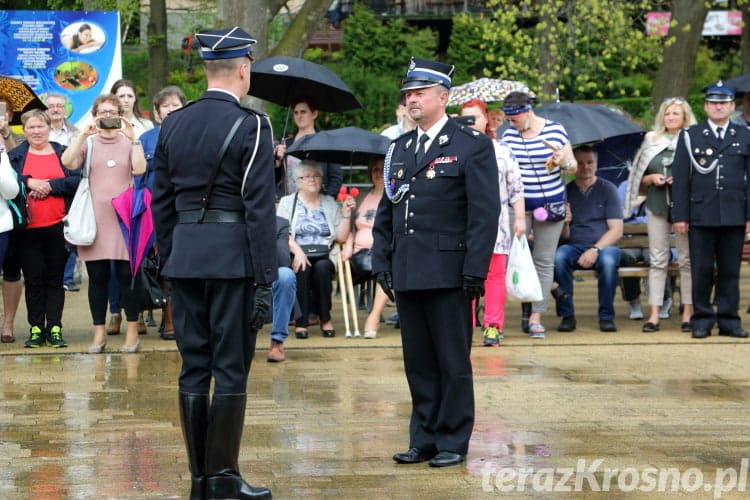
(373, 60)
(588, 49)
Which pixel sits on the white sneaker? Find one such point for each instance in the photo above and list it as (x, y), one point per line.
(635, 310)
(666, 309)
(371, 334)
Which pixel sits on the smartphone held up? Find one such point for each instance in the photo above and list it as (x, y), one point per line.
(110, 123)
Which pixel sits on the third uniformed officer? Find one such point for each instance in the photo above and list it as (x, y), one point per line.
(434, 234)
(215, 223)
(711, 196)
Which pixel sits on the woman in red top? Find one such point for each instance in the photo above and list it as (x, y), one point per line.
(41, 246)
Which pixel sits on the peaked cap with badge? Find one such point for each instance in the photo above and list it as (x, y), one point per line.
(226, 43)
(423, 73)
(718, 92)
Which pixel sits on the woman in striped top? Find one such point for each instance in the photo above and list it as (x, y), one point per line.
(543, 152)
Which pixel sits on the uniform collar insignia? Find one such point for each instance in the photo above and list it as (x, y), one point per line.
(705, 132)
(732, 132)
(408, 144)
(442, 139)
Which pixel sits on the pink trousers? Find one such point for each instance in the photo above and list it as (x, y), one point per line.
(494, 292)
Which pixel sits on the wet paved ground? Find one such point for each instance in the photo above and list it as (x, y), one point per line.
(325, 423)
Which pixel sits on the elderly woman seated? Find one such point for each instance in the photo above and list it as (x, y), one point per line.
(316, 223)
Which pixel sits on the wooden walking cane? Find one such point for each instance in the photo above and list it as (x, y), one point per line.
(342, 289)
(350, 291)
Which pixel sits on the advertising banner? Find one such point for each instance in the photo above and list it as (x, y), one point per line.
(76, 54)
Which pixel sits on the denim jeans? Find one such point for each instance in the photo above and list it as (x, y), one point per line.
(566, 261)
(70, 267)
(284, 294)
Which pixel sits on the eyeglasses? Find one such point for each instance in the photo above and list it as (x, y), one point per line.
(309, 177)
(107, 112)
(56, 106)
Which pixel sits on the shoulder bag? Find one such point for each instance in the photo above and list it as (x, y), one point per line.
(79, 225)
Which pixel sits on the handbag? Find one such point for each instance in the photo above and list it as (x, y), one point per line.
(556, 210)
(361, 264)
(521, 279)
(79, 225)
(315, 250)
(152, 296)
(18, 209)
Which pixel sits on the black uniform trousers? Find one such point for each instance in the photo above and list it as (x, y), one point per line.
(212, 327)
(719, 246)
(436, 341)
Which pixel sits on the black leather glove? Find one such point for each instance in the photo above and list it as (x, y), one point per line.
(261, 305)
(473, 287)
(385, 280)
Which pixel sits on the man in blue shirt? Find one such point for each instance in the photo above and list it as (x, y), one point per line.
(593, 227)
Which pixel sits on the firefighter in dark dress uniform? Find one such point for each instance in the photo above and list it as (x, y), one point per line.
(711, 197)
(434, 234)
(219, 255)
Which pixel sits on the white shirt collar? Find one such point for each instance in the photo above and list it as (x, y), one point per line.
(432, 132)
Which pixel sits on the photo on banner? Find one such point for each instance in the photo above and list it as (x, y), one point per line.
(76, 54)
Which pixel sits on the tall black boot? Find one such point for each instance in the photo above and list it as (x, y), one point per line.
(225, 422)
(194, 420)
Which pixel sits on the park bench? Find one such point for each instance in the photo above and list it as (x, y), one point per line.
(636, 236)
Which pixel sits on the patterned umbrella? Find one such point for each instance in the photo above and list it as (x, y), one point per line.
(21, 97)
(485, 89)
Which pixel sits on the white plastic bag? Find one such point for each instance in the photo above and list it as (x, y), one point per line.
(521, 279)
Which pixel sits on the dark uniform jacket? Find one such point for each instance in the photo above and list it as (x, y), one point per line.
(445, 226)
(722, 197)
(187, 151)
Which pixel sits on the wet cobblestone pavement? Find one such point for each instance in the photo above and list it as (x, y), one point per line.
(325, 423)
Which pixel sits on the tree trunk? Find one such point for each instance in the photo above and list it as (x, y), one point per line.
(678, 59)
(745, 39)
(548, 63)
(254, 17)
(307, 20)
(157, 47)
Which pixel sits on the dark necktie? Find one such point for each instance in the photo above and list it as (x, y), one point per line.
(420, 148)
(719, 130)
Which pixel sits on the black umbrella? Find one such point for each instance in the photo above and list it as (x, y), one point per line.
(615, 155)
(21, 97)
(588, 122)
(282, 79)
(346, 146)
(740, 84)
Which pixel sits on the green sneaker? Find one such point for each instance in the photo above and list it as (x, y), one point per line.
(36, 339)
(54, 337)
(492, 336)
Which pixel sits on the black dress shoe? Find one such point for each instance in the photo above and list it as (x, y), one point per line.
(413, 456)
(567, 324)
(701, 333)
(446, 459)
(650, 327)
(685, 327)
(607, 325)
(329, 333)
(301, 334)
(738, 333)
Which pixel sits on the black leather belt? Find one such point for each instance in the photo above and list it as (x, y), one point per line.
(210, 216)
